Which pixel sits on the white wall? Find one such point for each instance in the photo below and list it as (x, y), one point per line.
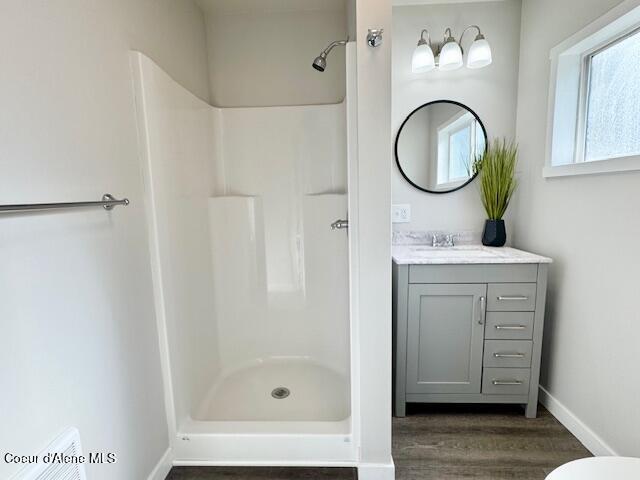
(590, 226)
(79, 344)
(491, 92)
(373, 234)
(260, 52)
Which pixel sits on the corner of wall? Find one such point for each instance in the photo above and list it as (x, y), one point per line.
(163, 467)
(590, 439)
(207, 39)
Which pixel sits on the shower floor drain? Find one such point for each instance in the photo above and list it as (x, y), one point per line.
(280, 393)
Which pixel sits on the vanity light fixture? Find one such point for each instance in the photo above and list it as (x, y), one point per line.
(480, 51)
(449, 55)
(423, 59)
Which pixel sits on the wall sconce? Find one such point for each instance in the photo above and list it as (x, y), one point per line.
(449, 54)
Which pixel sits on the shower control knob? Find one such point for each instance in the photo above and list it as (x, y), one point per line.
(374, 37)
(340, 224)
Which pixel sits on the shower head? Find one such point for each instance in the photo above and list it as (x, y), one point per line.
(320, 62)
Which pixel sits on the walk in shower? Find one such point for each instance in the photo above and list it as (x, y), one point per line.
(251, 282)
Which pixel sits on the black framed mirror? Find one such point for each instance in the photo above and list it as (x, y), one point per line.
(437, 144)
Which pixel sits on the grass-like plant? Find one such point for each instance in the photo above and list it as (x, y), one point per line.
(497, 167)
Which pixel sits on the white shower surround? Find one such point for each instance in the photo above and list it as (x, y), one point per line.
(178, 130)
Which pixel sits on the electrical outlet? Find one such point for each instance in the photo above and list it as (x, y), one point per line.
(401, 213)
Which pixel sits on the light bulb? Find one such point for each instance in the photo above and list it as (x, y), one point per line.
(422, 59)
(450, 56)
(479, 54)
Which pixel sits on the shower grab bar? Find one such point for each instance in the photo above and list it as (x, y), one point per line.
(107, 202)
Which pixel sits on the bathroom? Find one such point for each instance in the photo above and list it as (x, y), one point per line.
(247, 312)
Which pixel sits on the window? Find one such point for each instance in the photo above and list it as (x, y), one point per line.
(460, 140)
(595, 90)
(612, 127)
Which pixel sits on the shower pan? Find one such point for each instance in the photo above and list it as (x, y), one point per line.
(252, 283)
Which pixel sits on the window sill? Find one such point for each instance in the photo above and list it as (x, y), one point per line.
(453, 184)
(611, 165)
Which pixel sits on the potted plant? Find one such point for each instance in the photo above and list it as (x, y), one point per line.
(496, 168)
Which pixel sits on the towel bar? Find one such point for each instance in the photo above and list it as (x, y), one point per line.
(107, 202)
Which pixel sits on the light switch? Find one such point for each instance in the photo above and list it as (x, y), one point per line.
(401, 213)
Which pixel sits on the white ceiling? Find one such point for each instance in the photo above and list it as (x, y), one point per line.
(231, 7)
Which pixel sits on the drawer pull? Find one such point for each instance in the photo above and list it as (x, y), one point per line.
(507, 382)
(483, 308)
(511, 327)
(508, 355)
(516, 298)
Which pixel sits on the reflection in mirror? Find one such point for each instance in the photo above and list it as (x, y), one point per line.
(437, 145)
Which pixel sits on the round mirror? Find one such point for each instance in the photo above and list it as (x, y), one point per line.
(437, 145)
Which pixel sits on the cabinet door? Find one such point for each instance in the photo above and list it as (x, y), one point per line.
(445, 338)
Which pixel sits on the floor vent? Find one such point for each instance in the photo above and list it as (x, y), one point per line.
(69, 445)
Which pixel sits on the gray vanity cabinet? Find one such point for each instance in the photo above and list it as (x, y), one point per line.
(445, 334)
(468, 333)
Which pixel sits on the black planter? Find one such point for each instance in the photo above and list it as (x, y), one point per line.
(494, 233)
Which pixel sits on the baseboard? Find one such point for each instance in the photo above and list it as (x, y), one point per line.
(376, 471)
(163, 467)
(577, 427)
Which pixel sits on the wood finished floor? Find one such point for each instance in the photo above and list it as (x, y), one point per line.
(455, 442)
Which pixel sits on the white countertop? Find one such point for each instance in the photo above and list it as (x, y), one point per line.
(462, 255)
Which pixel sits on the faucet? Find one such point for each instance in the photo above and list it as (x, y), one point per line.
(442, 240)
(449, 240)
(339, 224)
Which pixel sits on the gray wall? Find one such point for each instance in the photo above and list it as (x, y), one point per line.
(260, 51)
(590, 226)
(79, 345)
(491, 92)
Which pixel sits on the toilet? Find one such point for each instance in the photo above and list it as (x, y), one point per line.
(598, 468)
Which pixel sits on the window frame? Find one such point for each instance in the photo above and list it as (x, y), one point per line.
(569, 94)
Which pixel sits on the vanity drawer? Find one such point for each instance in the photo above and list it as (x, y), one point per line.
(507, 353)
(511, 297)
(509, 326)
(505, 381)
(523, 272)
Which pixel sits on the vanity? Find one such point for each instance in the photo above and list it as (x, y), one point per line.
(467, 325)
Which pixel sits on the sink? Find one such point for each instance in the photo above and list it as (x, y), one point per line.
(453, 252)
(461, 248)
(471, 252)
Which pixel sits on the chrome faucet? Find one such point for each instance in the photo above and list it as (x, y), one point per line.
(449, 240)
(442, 240)
(339, 224)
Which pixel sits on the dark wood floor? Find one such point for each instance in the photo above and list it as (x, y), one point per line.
(483, 442)
(454, 442)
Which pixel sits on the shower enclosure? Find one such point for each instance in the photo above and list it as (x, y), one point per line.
(252, 284)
